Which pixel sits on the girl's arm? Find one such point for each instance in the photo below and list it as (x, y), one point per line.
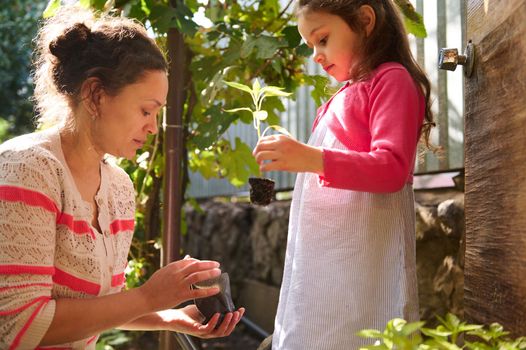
(395, 114)
(281, 152)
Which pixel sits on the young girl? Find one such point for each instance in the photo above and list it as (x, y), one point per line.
(350, 261)
(67, 211)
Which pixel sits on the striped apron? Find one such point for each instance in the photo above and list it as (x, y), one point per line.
(350, 263)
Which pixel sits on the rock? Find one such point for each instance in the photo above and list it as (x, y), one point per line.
(451, 217)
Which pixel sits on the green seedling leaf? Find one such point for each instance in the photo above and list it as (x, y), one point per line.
(239, 86)
(234, 110)
(275, 91)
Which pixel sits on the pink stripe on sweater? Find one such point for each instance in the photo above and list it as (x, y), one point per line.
(77, 284)
(117, 280)
(16, 342)
(20, 269)
(37, 199)
(76, 226)
(90, 340)
(23, 307)
(29, 197)
(121, 225)
(21, 286)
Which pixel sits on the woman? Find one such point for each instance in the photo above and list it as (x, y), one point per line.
(66, 211)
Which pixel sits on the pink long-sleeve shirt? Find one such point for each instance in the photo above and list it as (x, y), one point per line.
(379, 122)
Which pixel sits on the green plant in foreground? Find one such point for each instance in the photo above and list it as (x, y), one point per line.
(450, 334)
(258, 95)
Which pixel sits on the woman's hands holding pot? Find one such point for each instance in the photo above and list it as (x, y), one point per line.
(171, 285)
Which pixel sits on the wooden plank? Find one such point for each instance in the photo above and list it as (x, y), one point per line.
(495, 131)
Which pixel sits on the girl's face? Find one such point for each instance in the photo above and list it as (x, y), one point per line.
(336, 46)
(128, 118)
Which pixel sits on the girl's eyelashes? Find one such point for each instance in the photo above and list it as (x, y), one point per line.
(323, 40)
(146, 113)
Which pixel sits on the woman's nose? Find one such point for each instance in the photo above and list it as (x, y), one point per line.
(152, 127)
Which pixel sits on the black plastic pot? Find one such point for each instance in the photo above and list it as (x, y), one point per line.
(221, 302)
(261, 190)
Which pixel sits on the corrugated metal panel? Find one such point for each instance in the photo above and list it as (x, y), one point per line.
(444, 23)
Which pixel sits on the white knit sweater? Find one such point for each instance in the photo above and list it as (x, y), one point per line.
(48, 246)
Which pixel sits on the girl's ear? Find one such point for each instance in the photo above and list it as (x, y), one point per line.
(91, 93)
(368, 18)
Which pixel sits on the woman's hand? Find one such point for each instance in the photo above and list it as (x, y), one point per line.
(281, 152)
(188, 320)
(171, 285)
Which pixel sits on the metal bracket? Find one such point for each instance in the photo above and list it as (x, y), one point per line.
(448, 59)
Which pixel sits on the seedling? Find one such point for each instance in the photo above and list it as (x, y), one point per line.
(261, 189)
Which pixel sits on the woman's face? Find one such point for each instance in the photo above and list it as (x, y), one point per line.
(336, 46)
(128, 118)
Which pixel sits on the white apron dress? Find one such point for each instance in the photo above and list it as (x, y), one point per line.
(350, 263)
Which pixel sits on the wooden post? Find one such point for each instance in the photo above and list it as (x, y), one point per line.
(173, 148)
(495, 130)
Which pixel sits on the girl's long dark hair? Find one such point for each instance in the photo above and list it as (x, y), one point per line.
(386, 43)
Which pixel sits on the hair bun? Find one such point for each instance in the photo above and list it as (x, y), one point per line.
(73, 41)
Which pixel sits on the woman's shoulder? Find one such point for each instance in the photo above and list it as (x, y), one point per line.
(117, 174)
(36, 148)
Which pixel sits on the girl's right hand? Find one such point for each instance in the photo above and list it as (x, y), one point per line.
(171, 285)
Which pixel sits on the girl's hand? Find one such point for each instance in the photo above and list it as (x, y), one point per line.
(281, 152)
(188, 320)
(171, 285)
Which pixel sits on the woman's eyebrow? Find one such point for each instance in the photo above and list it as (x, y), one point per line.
(156, 102)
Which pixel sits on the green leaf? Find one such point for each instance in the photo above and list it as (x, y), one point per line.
(292, 35)
(303, 50)
(412, 20)
(204, 162)
(410, 328)
(233, 110)
(240, 164)
(210, 131)
(238, 86)
(267, 46)
(183, 20)
(51, 9)
(436, 333)
(275, 91)
(256, 87)
(161, 17)
(248, 45)
(320, 92)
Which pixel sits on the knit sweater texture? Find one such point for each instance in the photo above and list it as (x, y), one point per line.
(49, 248)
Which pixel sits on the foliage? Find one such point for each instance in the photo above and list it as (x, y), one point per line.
(450, 334)
(18, 25)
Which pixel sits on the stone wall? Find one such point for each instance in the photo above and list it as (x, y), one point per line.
(250, 243)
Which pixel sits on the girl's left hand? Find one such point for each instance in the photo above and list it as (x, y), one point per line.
(188, 320)
(281, 152)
